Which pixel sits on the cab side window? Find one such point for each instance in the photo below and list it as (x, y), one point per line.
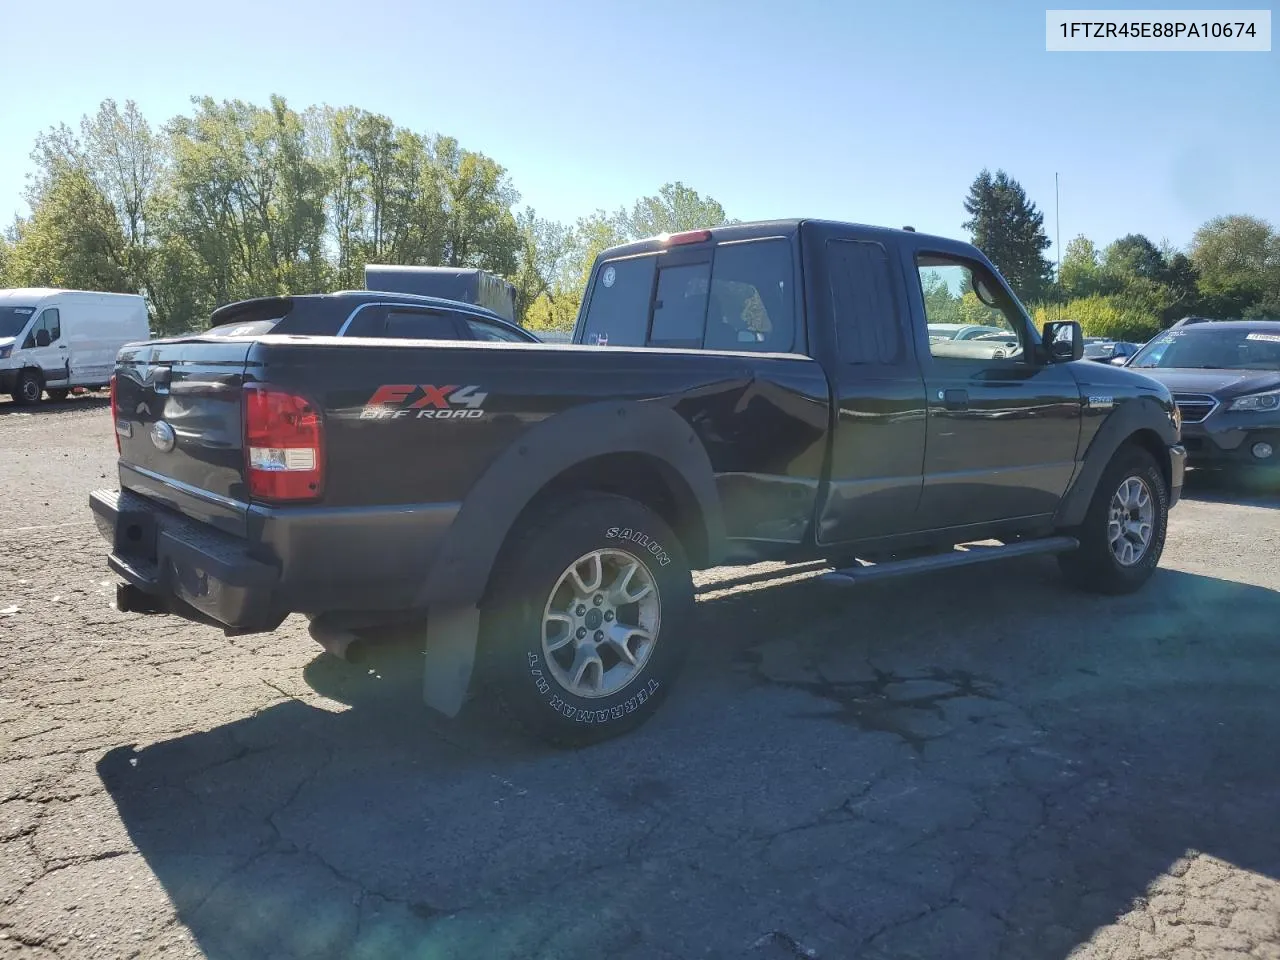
(970, 318)
(869, 329)
(50, 322)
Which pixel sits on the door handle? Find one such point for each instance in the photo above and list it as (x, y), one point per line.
(955, 399)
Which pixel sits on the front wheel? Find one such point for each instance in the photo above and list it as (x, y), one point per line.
(28, 388)
(1123, 534)
(587, 628)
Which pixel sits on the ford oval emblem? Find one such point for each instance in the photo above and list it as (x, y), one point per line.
(162, 436)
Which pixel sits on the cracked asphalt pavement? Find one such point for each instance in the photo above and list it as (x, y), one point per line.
(982, 764)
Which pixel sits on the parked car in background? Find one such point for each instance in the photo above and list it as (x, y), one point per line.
(53, 341)
(364, 313)
(1115, 352)
(1225, 379)
(962, 331)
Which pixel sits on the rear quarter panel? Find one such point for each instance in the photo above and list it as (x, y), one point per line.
(411, 422)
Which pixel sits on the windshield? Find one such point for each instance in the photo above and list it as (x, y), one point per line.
(1203, 348)
(1094, 350)
(13, 320)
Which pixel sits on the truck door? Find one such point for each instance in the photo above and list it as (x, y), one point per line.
(878, 439)
(1003, 426)
(46, 347)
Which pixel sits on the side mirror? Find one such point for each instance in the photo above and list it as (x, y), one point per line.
(42, 338)
(1063, 341)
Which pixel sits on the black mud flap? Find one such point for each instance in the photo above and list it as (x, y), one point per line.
(452, 633)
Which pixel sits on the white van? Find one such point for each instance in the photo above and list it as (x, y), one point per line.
(53, 340)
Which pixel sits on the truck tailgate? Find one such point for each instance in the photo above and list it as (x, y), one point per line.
(179, 420)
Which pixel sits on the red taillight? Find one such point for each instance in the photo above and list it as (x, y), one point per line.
(689, 236)
(283, 445)
(115, 413)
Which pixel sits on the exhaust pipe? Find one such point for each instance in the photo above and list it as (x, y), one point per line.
(343, 644)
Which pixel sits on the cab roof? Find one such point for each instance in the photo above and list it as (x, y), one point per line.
(756, 229)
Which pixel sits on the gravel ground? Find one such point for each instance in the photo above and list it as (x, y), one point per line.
(975, 765)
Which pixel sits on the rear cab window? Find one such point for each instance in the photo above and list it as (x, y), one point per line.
(735, 295)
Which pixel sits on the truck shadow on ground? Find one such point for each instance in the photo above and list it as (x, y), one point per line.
(984, 764)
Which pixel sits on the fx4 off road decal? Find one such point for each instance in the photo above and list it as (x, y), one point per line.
(398, 401)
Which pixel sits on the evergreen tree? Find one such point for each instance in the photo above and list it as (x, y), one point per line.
(1008, 228)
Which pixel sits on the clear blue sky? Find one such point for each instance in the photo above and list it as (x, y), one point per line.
(881, 113)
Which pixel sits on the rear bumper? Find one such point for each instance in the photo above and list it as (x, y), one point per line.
(363, 561)
(186, 566)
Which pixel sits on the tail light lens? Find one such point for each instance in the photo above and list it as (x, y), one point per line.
(283, 445)
(115, 413)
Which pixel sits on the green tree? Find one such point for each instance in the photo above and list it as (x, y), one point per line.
(1238, 258)
(674, 208)
(72, 238)
(5, 255)
(541, 271)
(1080, 268)
(1181, 280)
(119, 152)
(248, 198)
(1134, 255)
(1009, 229)
(480, 230)
(1105, 316)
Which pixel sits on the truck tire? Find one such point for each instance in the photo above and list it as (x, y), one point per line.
(588, 624)
(27, 388)
(1123, 533)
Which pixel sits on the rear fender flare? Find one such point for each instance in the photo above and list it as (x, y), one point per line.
(1121, 425)
(461, 568)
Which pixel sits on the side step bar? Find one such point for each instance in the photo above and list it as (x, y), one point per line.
(945, 561)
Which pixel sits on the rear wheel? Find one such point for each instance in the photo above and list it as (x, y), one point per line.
(1123, 534)
(28, 387)
(587, 628)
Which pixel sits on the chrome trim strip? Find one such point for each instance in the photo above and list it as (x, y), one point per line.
(206, 495)
(1197, 400)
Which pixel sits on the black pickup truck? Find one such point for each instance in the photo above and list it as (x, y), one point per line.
(763, 391)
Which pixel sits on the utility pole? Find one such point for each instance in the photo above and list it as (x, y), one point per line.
(1057, 244)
